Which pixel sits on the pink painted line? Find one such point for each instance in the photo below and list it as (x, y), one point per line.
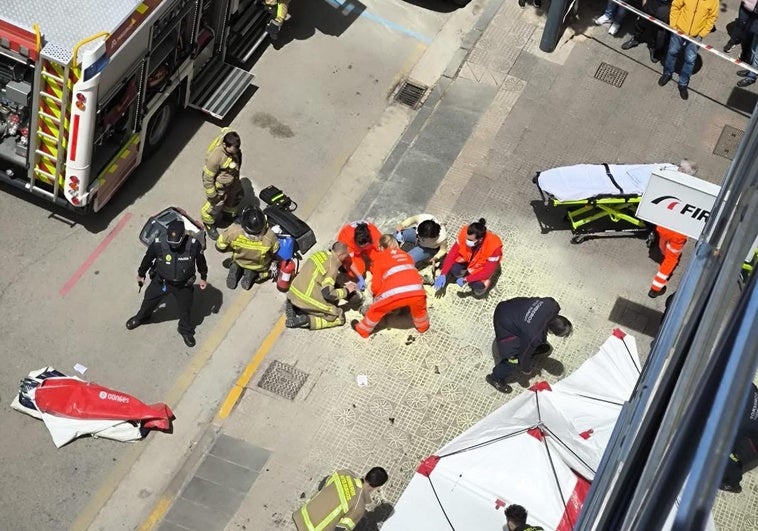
(95, 254)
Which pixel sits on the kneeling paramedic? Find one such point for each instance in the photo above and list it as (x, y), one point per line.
(341, 503)
(361, 238)
(395, 284)
(253, 245)
(313, 296)
(171, 261)
(521, 327)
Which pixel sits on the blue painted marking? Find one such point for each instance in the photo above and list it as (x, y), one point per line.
(346, 7)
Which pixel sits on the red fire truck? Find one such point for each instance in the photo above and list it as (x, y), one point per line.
(88, 88)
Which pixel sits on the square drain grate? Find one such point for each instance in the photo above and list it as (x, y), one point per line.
(612, 75)
(283, 380)
(411, 94)
(728, 142)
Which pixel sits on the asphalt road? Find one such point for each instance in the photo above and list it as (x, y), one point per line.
(68, 283)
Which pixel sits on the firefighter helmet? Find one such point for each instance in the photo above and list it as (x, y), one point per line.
(253, 220)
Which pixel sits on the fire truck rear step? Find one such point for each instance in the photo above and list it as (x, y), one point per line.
(218, 87)
(246, 35)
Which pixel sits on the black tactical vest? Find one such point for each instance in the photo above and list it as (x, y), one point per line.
(176, 266)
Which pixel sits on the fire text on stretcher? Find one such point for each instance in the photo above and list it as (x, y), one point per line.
(601, 199)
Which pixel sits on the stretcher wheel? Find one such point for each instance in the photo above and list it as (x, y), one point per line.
(579, 238)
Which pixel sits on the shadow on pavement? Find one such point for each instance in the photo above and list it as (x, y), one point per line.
(634, 316)
(372, 519)
(440, 6)
(330, 17)
(204, 303)
(549, 218)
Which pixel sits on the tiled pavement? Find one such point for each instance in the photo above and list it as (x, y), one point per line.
(509, 112)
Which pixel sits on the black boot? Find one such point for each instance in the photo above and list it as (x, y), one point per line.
(498, 384)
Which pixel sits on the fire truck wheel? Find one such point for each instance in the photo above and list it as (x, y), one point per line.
(158, 126)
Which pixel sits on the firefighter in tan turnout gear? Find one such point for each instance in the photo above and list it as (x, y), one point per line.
(253, 245)
(279, 10)
(313, 296)
(221, 180)
(341, 502)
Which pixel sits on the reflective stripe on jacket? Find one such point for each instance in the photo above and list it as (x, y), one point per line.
(218, 162)
(477, 257)
(249, 251)
(342, 501)
(307, 289)
(394, 276)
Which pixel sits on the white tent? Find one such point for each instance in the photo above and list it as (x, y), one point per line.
(539, 450)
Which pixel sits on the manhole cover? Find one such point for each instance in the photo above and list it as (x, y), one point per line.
(411, 94)
(728, 142)
(612, 75)
(283, 380)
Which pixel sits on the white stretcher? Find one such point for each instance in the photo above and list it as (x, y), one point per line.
(592, 192)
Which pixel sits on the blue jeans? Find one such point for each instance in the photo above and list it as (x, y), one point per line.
(754, 62)
(676, 44)
(614, 11)
(418, 253)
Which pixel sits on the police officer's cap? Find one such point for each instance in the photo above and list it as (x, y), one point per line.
(175, 232)
(253, 220)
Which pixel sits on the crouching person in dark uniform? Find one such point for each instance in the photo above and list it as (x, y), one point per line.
(172, 264)
(521, 327)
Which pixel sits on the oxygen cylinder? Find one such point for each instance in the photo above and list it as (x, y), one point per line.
(286, 272)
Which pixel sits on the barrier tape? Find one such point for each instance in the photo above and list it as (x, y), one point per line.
(706, 47)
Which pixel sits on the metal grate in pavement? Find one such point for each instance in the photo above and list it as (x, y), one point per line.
(411, 94)
(728, 142)
(283, 380)
(610, 74)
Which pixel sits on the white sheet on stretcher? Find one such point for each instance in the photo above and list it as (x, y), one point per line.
(585, 181)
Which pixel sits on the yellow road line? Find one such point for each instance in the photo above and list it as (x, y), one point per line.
(234, 394)
(157, 514)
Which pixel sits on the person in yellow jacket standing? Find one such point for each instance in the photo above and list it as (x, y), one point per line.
(221, 180)
(279, 10)
(341, 502)
(313, 296)
(694, 18)
(253, 245)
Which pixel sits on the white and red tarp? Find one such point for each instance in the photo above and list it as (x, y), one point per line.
(71, 407)
(540, 450)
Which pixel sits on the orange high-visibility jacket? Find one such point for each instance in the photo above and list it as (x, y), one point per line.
(347, 236)
(487, 251)
(394, 276)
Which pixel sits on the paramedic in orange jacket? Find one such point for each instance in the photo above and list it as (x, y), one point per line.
(361, 238)
(395, 283)
(671, 245)
(473, 259)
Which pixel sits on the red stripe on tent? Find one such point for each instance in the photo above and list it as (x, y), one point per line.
(541, 386)
(574, 504)
(586, 434)
(536, 433)
(427, 465)
(617, 332)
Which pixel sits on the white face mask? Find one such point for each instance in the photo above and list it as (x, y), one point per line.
(471, 243)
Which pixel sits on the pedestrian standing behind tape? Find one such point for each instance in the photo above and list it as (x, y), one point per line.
(172, 260)
(341, 503)
(521, 327)
(221, 180)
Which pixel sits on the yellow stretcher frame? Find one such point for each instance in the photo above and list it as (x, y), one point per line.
(582, 212)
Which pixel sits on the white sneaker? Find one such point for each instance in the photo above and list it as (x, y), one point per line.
(602, 19)
(614, 29)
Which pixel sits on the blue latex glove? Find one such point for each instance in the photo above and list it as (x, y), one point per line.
(461, 281)
(440, 282)
(361, 283)
(399, 237)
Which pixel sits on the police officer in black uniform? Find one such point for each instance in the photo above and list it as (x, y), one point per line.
(521, 327)
(172, 272)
